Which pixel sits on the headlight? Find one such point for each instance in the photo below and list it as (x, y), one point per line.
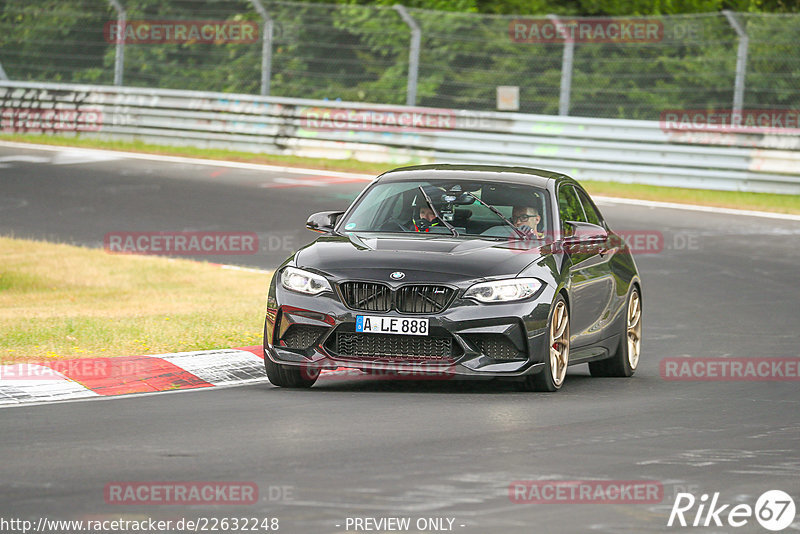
(504, 290)
(302, 281)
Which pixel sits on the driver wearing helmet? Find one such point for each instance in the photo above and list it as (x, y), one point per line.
(427, 220)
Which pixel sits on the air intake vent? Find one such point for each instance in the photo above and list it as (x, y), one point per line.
(393, 347)
(300, 336)
(497, 346)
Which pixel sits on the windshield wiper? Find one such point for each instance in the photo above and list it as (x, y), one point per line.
(436, 212)
(496, 211)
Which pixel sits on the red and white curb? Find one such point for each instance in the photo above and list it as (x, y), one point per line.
(59, 380)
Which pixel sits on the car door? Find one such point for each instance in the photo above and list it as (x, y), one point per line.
(591, 282)
(604, 269)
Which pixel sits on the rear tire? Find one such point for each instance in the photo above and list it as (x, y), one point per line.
(625, 361)
(286, 376)
(556, 357)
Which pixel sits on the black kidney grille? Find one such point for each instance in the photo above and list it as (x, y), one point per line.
(366, 296)
(299, 336)
(369, 296)
(388, 346)
(422, 299)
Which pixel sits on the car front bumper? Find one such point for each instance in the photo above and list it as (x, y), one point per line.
(489, 340)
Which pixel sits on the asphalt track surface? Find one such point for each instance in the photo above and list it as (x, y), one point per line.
(723, 286)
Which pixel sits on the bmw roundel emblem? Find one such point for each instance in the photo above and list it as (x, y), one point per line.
(397, 275)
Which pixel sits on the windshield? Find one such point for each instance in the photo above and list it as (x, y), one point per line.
(452, 207)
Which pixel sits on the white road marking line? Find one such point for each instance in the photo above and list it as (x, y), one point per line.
(312, 181)
(195, 161)
(693, 207)
(73, 156)
(24, 159)
(300, 170)
(299, 181)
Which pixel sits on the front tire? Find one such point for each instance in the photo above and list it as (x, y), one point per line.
(286, 376)
(626, 359)
(556, 358)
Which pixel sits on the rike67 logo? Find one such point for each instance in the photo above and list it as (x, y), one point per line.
(774, 510)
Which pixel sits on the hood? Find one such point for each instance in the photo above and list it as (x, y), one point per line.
(433, 258)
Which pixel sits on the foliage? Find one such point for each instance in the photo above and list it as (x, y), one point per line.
(359, 51)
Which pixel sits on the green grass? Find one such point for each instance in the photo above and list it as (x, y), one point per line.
(705, 197)
(61, 301)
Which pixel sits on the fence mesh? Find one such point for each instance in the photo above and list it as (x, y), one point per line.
(361, 53)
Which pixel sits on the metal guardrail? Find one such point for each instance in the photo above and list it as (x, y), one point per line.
(627, 151)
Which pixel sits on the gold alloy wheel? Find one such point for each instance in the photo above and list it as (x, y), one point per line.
(559, 343)
(634, 330)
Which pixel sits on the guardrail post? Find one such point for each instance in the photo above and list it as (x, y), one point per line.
(266, 46)
(3, 75)
(119, 57)
(413, 54)
(566, 67)
(741, 61)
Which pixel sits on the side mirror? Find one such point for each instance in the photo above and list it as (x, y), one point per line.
(324, 221)
(583, 237)
(584, 232)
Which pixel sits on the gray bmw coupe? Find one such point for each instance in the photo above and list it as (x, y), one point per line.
(458, 270)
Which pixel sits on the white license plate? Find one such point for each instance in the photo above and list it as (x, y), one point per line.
(392, 325)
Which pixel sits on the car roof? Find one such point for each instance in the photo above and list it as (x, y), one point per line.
(488, 173)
